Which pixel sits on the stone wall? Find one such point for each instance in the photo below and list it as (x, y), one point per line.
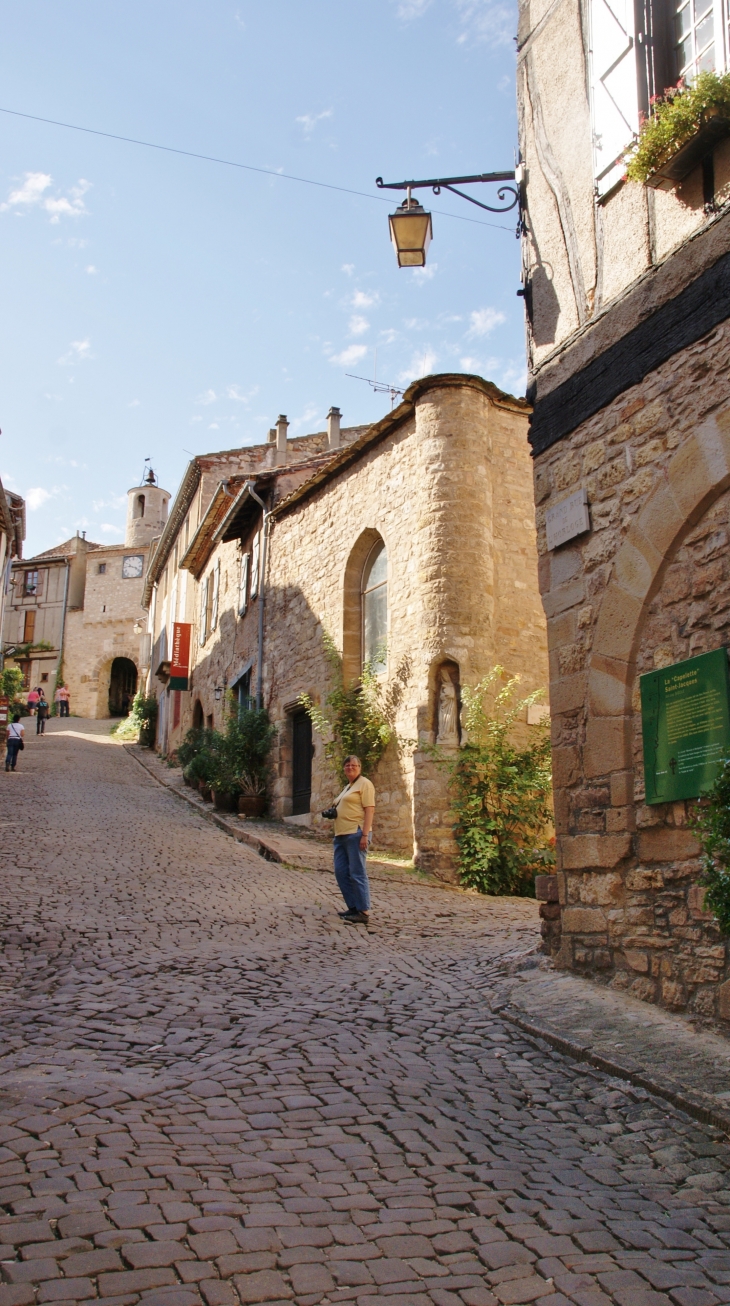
(647, 586)
(102, 630)
(448, 489)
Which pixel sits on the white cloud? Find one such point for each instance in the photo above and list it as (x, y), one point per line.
(358, 325)
(349, 356)
(113, 501)
(108, 529)
(364, 299)
(415, 323)
(32, 192)
(308, 416)
(349, 268)
(425, 274)
(309, 121)
(234, 392)
(470, 364)
(421, 365)
(207, 397)
(213, 426)
(92, 271)
(79, 351)
(36, 497)
(388, 335)
(485, 21)
(134, 404)
(484, 320)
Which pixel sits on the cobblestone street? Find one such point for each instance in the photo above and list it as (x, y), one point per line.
(213, 1091)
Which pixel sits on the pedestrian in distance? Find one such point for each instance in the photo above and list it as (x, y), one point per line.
(33, 697)
(61, 698)
(42, 709)
(352, 813)
(14, 742)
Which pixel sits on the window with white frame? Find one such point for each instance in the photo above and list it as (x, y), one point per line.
(698, 37)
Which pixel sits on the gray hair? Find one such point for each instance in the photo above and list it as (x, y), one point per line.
(352, 758)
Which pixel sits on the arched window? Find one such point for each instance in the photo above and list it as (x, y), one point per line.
(139, 506)
(375, 607)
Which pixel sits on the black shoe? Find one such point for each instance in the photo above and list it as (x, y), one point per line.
(355, 918)
(346, 913)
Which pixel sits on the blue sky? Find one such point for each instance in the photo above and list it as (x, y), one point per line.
(155, 305)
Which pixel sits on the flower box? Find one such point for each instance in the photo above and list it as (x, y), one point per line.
(680, 162)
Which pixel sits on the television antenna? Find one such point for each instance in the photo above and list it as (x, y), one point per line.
(380, 387)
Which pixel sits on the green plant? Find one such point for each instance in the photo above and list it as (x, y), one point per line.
(711, 823)
(358, 717)
(500, 790)
(675, 118)
(11, 684)
(242, 749)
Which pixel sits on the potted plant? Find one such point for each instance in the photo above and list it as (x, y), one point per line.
(684, 125)
(252, 799)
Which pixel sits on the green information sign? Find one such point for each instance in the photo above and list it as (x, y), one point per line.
(685, 719)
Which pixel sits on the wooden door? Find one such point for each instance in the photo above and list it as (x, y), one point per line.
(301, 763)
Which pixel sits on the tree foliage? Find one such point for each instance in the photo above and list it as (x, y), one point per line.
(233, 760)
(358, 716)
(501, 791)
(676, 116)
(711, 823)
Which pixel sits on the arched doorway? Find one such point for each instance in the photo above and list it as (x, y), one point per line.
(198, 715)
(122, 686)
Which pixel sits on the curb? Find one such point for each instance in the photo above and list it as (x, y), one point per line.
(698, 1105)
(265, 850)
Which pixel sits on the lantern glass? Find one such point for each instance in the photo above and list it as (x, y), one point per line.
(410, 232)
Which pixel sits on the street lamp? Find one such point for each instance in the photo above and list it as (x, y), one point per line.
(410, 225)
(410, 232)
(218, 692)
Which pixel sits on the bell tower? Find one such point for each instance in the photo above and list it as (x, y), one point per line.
(146, 512)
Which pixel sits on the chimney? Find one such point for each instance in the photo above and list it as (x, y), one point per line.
(281, 429)
(333, 428)
(272, 435)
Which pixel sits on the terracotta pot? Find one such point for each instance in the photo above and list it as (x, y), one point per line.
(206, 792)
(252, 804)
(225, 802)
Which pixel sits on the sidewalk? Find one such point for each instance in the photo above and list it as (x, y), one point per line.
(666, 1054)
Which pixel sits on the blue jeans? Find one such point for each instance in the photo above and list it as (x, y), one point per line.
(11, 756)
(350, 872)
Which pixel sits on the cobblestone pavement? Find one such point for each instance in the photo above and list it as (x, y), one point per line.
(214, 1092)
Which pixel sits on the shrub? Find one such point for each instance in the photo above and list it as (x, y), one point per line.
(358, 717)
(500, 791)
(711, 822)
(243, 750)
(675, 118)
(11, 686)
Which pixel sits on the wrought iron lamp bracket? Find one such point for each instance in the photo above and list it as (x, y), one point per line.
(437, 184)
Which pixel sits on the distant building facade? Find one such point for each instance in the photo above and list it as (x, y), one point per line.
(74, 612)
(627, 289)
(410, 543)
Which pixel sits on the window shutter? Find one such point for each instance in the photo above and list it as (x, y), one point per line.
(203, 632)
(216, 592)
(614, 88)
(243, 588)
(255, 565)
(39, 584)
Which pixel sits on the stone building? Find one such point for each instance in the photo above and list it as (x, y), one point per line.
(627, 292)
(77, 608)
(410, 542)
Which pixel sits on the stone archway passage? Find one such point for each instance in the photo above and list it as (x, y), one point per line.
(122, 686)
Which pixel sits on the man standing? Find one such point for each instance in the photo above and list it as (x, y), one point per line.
(61, 698)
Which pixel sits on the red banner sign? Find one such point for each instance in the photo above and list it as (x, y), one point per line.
(180, 661)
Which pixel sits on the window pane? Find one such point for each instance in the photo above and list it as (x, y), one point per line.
(707, 61)
(684, 22)
(375, 626)
(376, 572)
(702, 7)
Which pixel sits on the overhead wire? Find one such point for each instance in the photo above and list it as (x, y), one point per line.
(231, 163)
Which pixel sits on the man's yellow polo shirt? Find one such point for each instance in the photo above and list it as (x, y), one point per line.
(352, 804)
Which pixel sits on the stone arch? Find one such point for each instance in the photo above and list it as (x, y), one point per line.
(351, 604)
(698, 473)
(198, 715)
(101, 675)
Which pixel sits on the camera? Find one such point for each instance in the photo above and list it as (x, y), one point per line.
(330, 813)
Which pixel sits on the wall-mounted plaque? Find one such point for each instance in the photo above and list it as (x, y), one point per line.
(685, 720)
(567, 519)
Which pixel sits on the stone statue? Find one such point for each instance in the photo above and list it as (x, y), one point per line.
(448, 712)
